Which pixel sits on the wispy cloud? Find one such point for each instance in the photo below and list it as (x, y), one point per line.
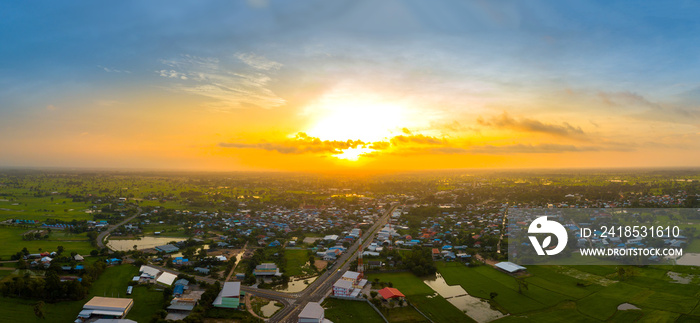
(300, 144)
(531, 125)
(113, 70)
(229, 85)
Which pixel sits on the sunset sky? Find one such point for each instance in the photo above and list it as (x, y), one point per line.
(349, 85)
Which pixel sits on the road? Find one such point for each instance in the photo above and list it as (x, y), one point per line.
(323, 285)
(293, 302)
(103, 234)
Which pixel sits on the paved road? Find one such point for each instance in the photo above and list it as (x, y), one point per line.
(103, 234)
(323, 285)
(294, 302)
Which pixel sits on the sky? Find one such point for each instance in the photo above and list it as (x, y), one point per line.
(349, 85)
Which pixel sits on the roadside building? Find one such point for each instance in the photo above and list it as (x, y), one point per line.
(266, 269)
(388, 293)
(312, 313)
(230, 295)
(106, 307)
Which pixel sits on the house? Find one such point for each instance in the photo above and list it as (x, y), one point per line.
(373, 264)
(78, 258)
(509, 267)
(230, 295)
(202, 270)
(266, 269)
(342, 287)
(106, 307)
(148, 274)
(180, 261)
(113, 261)
(312, 313)
(168, 248)
(389, 293)
(166, 279)
(436, 253)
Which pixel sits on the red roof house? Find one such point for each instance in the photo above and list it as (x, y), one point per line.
(389, 293)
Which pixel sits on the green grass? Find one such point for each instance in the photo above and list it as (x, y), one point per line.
(342, 311)
(296, 263)
(112, 282)
(603, 304)
(483, 280)
(11, 242)
(563, 312)
(404, 314)
(419, 294)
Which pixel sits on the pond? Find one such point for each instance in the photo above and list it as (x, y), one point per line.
(689, 259)
(680, 278)
(143, 243)
(296, 285)
(478, 309)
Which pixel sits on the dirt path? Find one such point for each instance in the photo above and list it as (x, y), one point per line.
(250, 308)
(228, 278)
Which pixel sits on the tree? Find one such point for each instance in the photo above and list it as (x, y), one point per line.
(373, 293)
(39, 309)
(94, 253)
(493, 295)
(59, 249)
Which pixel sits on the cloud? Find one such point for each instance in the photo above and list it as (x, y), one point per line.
(531, 125)
(113, 70)
(417, 139)
(258, 62)
(51, 107)
(302, 143)
(626, 99)
(229, 85)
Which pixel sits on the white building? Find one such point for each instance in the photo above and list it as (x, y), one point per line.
(312, 313)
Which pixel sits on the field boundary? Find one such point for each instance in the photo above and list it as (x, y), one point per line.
(366, 301)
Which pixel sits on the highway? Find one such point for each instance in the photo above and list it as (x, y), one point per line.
(293, 302)
(323, 285)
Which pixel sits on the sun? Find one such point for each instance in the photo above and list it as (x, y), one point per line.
(368, 121)
(357, 120)
(353, 154)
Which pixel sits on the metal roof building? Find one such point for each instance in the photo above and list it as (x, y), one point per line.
(509, 267)
(230, 295)
(108, 307)
(312, 313)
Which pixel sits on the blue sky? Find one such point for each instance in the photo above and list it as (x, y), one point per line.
(622, 60)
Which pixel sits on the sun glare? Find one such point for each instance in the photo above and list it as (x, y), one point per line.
(353, 154)
(366, 121)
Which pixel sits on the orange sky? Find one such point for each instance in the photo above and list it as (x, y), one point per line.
(345, 88)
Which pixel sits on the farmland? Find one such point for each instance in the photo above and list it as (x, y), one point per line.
(112, 282)
(11, 242)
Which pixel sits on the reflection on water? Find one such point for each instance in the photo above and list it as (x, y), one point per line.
(269, 309)
(179, 254)
(680, 278)
(627, 306)
(476, 308)
(143, 243)
(296, 285)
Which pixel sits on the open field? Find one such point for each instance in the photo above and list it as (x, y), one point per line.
(297, 262)
(581, 293)
(112, 283)
(11, 242)
(422, 296)
(340, 311)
